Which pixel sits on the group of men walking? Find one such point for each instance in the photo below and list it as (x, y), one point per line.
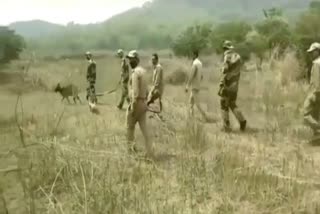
(135, 92)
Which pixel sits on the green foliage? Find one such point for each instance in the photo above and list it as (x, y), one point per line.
(307, 31)
(155, 25)
(233, 31)
(10, 45)
(277, 31)
(257, 43)
(315, 6)
(193, 38)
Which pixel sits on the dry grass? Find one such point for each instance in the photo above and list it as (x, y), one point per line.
(76, 162)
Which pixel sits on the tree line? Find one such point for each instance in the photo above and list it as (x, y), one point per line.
(274, 30)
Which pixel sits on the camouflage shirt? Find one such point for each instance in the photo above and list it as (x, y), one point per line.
(124, 71)
(91, 71)
(231, 71)
(138, 84)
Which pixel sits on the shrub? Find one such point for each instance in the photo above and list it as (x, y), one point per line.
(10, 45)
(177, 77)
(193, 38)
(234, 31)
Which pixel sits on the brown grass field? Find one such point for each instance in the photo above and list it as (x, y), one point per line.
(65, 160)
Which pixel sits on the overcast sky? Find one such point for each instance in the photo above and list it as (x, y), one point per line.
(63, 11)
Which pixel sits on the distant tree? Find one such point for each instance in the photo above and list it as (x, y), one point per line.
(277, 32)
(315, 6)
(307, 31)
(193, 38)
(273, 12)
(258, 45)
(10, 45)
(233, 31)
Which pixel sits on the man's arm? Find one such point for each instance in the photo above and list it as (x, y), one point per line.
(308, 119)
(123, 70)
(135, 89)
(158, 78)
(225, 68)
(94, 73)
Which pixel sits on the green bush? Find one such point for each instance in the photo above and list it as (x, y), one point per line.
(307, 31)
(277, 32)
(193, 38)
(10, 45)
(233, 31)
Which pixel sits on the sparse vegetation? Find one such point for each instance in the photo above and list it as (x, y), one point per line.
(74, 162)
(57, 157)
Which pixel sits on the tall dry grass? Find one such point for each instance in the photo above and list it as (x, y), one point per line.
(76, 162)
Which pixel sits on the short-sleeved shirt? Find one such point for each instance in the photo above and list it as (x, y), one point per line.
(138, 84)
(157, 78)
(195, 75)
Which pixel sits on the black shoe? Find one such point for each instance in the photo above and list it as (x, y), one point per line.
(243, 125)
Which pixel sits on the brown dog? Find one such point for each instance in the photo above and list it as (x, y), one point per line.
(68, 91)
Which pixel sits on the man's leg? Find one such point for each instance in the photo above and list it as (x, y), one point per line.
(224, 105)
(130, 123)
(93, 92)
(88, 92)
(237, 113)
(145, 133)
(191, 104)
(160, 103)
(197, 103)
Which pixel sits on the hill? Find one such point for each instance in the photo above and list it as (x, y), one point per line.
(35, 28)
(154, 25)
(174, 14)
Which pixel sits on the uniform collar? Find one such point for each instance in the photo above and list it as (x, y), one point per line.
(317, 59)
(228, 51)
(154, 66)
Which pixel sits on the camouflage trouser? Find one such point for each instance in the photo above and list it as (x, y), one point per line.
(228, 101)
(91, 92)
(124, 95)
(194, 101)
(139, 115)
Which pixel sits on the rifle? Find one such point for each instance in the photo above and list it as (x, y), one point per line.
(108, 92)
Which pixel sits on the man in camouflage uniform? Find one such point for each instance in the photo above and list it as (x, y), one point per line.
(312, 102)
(157, 81)
(194, 81)
(137, 110)
(91, 79)
(124, 79)
(229, 84)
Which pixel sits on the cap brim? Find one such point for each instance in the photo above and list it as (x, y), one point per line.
(311, 50)
(229, 47)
